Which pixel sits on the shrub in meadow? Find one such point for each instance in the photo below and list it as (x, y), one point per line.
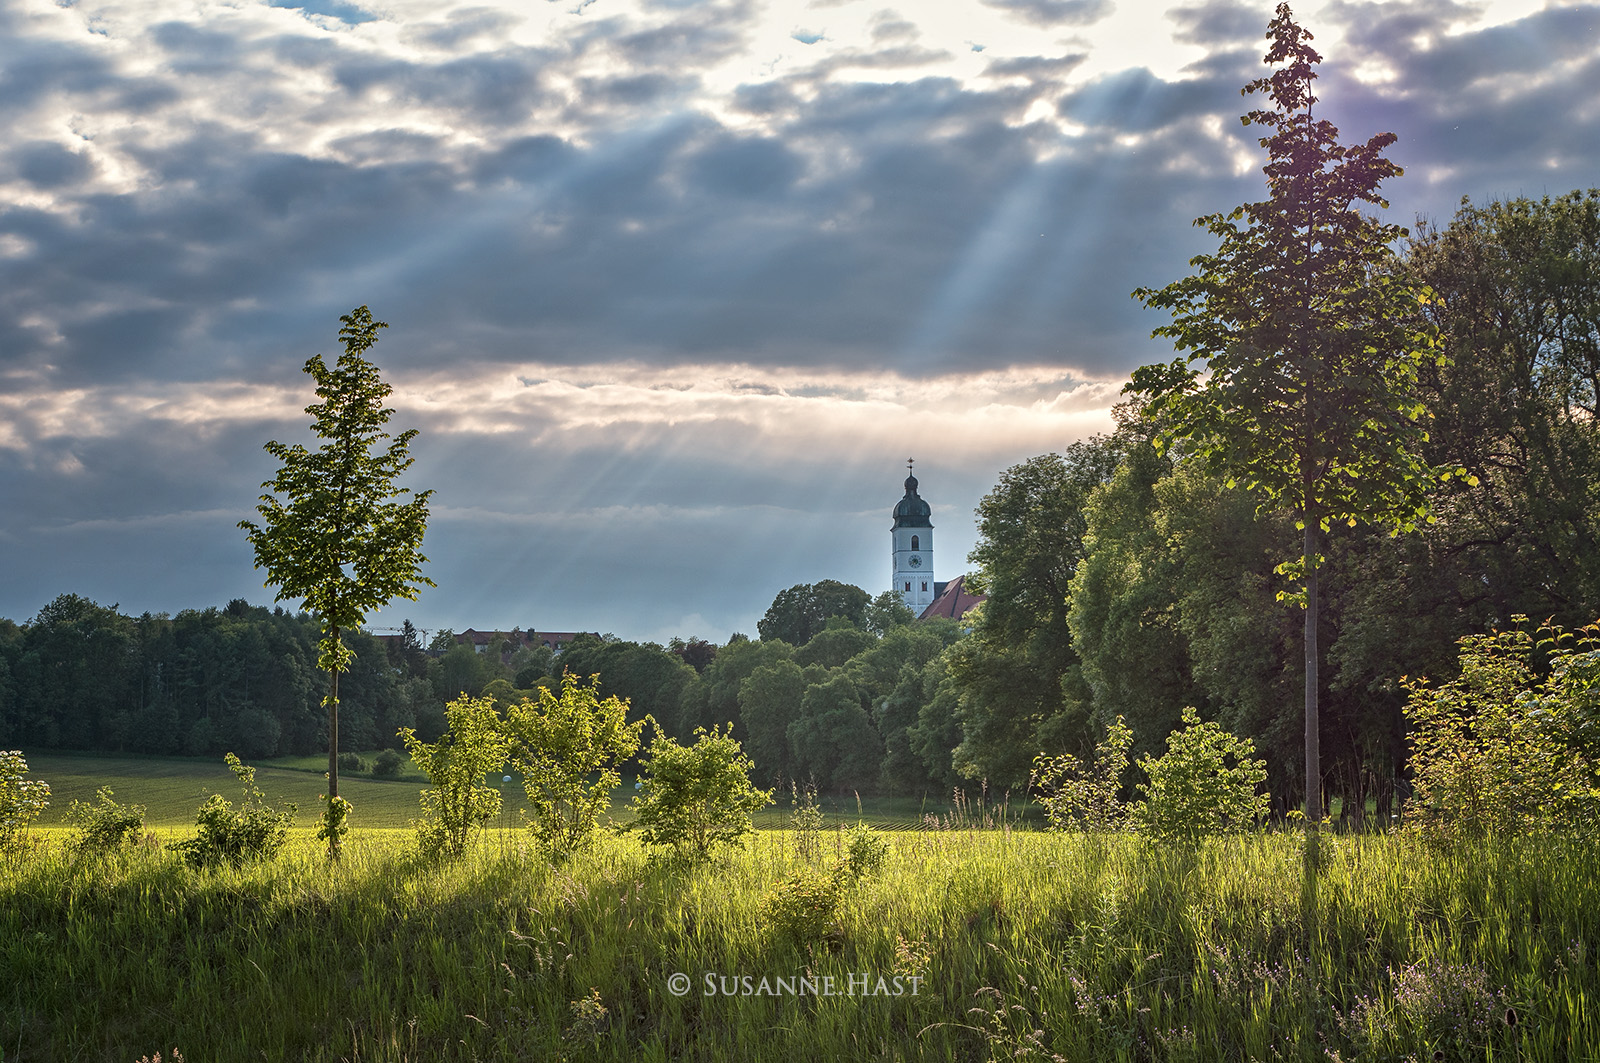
(251, 833)
(865, 851)
(804, 905)
(459, 804)
(1205, 783)
(104, 825)
(697, 797)
(1086, 797)
(567, 748)
(388, 764)
(1500, 750)
(352, 763)
(21, 800)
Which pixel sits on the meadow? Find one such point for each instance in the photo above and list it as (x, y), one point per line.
(170, 788)
(1022, 945)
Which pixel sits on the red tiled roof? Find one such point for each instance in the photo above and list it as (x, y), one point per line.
(953, 601)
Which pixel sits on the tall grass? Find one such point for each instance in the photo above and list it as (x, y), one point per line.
(1027, 945)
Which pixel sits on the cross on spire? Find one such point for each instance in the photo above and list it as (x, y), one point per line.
(909, 463)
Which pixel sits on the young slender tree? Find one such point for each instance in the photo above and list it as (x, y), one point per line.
(337, 532)
(1302, 340)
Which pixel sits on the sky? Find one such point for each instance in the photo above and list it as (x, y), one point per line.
(675, 287)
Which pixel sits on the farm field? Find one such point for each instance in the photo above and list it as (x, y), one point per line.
(1024, 945)
(170, 789)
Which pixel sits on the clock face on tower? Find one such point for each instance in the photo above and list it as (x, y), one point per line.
(915, 562)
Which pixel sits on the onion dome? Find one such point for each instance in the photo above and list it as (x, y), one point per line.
(911, 511)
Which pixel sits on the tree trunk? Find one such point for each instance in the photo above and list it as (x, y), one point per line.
(333, 748)
(1313, 743)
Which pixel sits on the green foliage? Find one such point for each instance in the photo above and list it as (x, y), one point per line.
(714, 698)
(1019, 681)
(769, 703)
(886, 612)
(804, 906)
(1516, 295)
(1204, 784)
(865, 851)
(650, 678)
(105, 825)
(86, 677)
(833, 646)
(1310, 335)
(567, 749)
(797, 614)
(458, 804)
(21, 800)
(589, 1018)
(1174, 605)
(1501, 751)
(251, 833)
(343, 542)
(696, 798)
(339, 539)
(833, 740)
(1087, 797)
(352, 763)
(387, 764)
(1309, 338)
(335, 821)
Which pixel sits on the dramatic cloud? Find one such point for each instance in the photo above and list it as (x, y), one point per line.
(674, 288)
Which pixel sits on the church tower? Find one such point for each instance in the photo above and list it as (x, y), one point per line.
(912, 538)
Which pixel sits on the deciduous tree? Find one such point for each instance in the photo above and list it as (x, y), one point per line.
(337, 531)
(1303, 340)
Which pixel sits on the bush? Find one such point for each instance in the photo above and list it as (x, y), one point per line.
(697, 797)
(865, 851)
(249, 834)
(1499, 751)
(21, 800)
(105, 826)
(459, 803)
(388, 764)
(1194, 791)
(352, 763)
(804, 906)
(567, 749)
(1086, 797)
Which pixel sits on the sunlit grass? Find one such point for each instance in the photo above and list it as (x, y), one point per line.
(1109, 947)
(170, 789)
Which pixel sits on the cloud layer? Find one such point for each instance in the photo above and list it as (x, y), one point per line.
(674, 288)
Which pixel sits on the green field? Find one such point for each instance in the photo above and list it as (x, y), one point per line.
(170, 788)
(1025, 946)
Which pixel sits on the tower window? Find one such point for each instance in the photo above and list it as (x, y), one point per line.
(914, 543)
(924, 584)
(908, 586)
